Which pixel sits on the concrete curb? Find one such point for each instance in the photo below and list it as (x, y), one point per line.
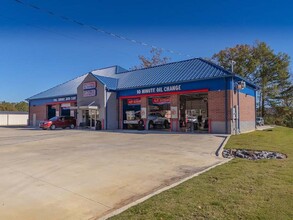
(220, 149)
(122, 209)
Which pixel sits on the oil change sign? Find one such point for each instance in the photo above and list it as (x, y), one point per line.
(161, 89)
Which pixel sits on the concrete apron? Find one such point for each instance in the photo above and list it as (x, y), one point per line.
(218, 153)
(73, 174)
(124, 208)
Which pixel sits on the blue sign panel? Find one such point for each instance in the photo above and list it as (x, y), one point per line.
(37, 102)
(210, 85)
(217, 84)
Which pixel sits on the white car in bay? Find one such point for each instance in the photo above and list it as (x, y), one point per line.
(156, 119)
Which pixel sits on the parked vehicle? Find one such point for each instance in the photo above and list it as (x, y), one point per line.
(58, 122)
(156, 119)
(192, 119)
(260, 121)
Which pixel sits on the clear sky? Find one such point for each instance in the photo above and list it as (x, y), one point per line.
(39, 51)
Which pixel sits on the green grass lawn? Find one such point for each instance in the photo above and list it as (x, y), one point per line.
(239, 189)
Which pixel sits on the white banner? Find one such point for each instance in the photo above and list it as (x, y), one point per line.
(174, 112)
(143, 113)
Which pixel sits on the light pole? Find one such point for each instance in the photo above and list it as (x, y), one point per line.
(232, 65)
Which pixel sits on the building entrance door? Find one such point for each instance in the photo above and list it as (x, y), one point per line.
(89, 118)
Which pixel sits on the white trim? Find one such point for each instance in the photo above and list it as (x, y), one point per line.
(86, 107)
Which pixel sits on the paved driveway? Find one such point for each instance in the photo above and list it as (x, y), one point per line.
(73, 174)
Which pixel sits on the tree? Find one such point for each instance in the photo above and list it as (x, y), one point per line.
(9, 106)
(241, 54)
(155, 60)
(258, 63)
(284, 107)
(22, 106)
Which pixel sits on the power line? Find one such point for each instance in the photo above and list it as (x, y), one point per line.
(65, 18)
(72, 37)
(41, 28)
(54, 32)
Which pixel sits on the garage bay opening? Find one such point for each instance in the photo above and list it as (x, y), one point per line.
(159, 112)
(131, 113)
(194, 113)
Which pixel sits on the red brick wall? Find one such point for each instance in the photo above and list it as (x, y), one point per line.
(247, 111)
(40, 111)
(144, 104)
(216, 105)
(247, 107)
(246, 104)
(216, 101)
(175, 101)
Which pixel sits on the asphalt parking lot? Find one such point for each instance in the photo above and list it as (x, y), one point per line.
(76, 174)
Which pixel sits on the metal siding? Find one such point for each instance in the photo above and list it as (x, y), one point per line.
(112, 111)
(12, 118)
(249, 91)
(39, 102)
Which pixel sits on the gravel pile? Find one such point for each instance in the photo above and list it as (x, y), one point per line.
(252, 155)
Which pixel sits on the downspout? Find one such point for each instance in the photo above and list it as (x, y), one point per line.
(118, 111)
(238, 110)
(255, 108)
(226, 107)
(106, 109)
(29, 114)
(232, 110)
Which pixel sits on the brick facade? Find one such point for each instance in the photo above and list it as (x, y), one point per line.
(175, 102)
(217, 114)
(40, 112)
(216, 106)
(247, 113)
(144, 104)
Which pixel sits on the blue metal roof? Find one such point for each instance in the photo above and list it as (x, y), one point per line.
(111, 71)
(117, 78)
(70, 87)
(176, 72)
(110, 83)
(67, 88)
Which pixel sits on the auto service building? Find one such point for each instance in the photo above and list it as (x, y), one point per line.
(189, 96)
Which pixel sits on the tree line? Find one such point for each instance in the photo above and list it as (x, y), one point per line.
(14, 106)
(261, 65)
(270, 71)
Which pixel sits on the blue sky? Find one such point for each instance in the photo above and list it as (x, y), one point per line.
(38, 51)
